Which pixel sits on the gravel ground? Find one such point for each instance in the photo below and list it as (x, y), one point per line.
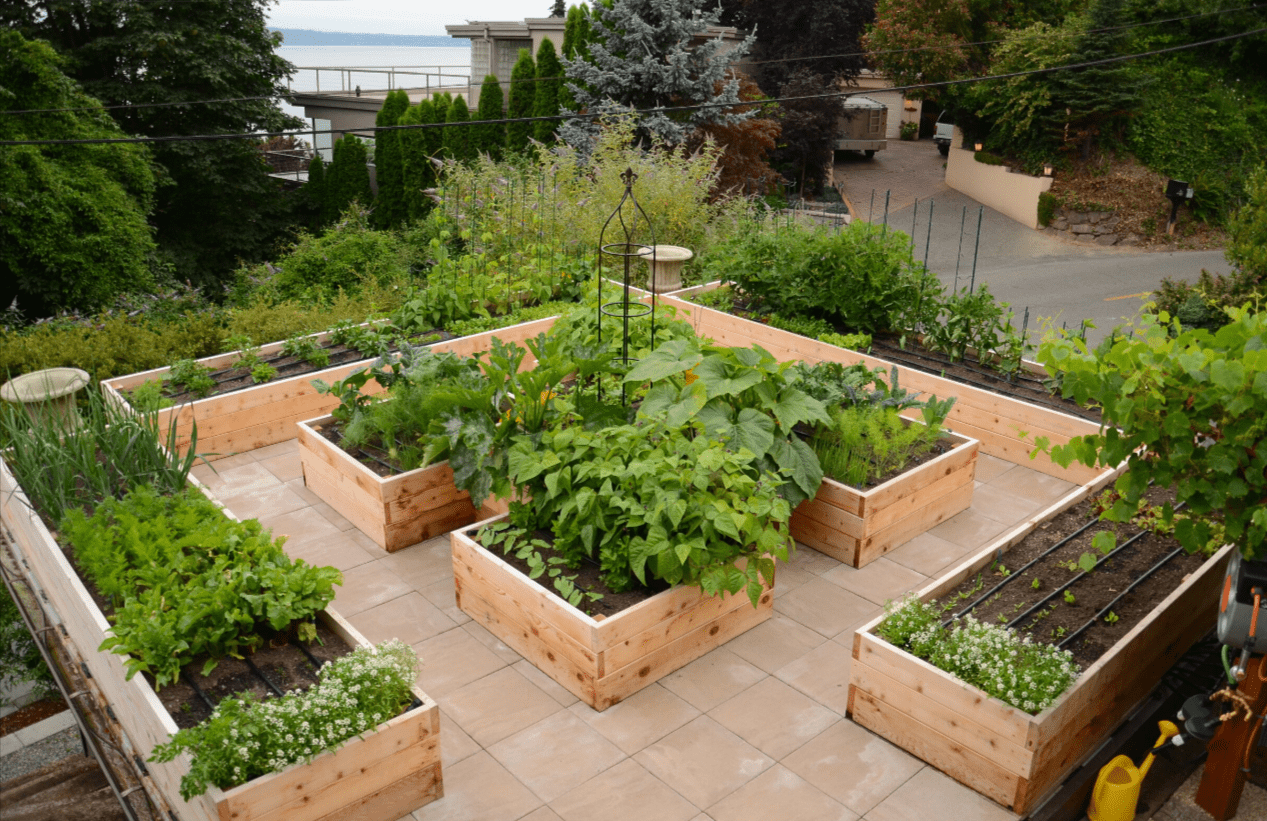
(29, 759)
(1183, 807)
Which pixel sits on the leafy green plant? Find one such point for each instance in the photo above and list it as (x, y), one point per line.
(853, 342)
(1037, 584)
(307, 349)
(1047, 204)
(185, 580)
(244, 738)
(909, 131)
(20, 659)
(805, 326)
(263, 372)
(1178, 408)
(516, 541)
(148, 396)
(1112, 618)
(193, 378)
(1069, 597)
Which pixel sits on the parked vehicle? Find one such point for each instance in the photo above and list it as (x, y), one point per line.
(944, 132)
(862, 126)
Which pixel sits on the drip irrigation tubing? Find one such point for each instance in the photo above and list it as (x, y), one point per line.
(316, 662)
(1059, 590)
(277, 691)
(1108, 607)
(202, 695)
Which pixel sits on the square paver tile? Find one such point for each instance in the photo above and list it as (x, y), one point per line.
(285, 466)
(548, 685)
(410, 618)
(775, 642)
(822, 674)
(1000, 503)
(990, 468)
(337, 550)
(929, 554)
(332, 516)
(299, 526)
(856, 767)
(788, 577)
(625, 792)
(880, 581)
(250, 496)
(1038, 487)
(932, 794)
(704, 761)
(712, 679)
(444, 595)
(556, 754)
(422, 565)
(824, 607)
(498, 705)
(644, 718)
(780, 793)
(366, 586)
(453, 660)
(455, 744)
(301, 490)
(479, 787)
(811, 561)
(542, 814)
(288, 448)
(481, 634)
(773, 717)
(969, 529)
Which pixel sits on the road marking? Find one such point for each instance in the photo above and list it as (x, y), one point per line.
(1128, 296)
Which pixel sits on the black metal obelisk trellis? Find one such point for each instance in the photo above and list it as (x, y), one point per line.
(628, 220)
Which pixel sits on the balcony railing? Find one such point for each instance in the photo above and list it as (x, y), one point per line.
(346, 79)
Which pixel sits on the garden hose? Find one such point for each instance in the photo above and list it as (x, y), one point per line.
(1227, 667)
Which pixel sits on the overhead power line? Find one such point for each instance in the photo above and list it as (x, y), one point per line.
(373, 69)
(658, 110)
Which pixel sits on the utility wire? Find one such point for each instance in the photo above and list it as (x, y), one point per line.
(658, 110)
(371, 69)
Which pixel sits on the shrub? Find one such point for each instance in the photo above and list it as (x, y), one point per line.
(350, 254)
(910, 131)
(986, 158)
(20, 659)
(1047, 203)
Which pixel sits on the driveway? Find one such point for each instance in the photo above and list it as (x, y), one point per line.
(1021, 266)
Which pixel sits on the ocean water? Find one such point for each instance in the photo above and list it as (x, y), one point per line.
(448, 60)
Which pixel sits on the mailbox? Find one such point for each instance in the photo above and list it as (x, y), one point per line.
(1178, 190)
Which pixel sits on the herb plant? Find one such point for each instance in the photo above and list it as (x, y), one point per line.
(244, 738)
(148, 396)
(263, 372)
(193, 378)
(307, 349)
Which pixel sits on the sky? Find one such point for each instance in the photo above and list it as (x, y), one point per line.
(397, 16)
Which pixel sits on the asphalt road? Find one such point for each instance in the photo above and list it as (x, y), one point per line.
(1054, 278)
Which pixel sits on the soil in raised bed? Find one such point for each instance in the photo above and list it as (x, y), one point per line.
(588, 578)
(969, 371)
(1060, 618)
(233, 379)
(910, 464)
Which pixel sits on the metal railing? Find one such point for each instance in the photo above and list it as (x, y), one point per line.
(393, 75)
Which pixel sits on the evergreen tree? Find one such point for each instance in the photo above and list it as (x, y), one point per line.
(575, 42)
(642, 58)
(559, 9)
(434, 137)
(390, 211)
(315, 193)
(349, 177)
(1097, 98)
(523, 92)
(489, 139)
(546, 103)
(457, 139)
(418, 171)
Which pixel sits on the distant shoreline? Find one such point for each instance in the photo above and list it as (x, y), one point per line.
(312, 37)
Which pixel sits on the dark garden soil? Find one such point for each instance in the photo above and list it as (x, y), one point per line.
(376, 459)
(1024, 386)
(32, 713)
(1085, 613)
(233, 379)
(281, 663)
(588, 578)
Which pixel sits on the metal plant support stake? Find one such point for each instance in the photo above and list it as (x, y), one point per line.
(628, 251)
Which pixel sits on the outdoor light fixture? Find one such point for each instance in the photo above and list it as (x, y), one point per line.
(1046, 169)
(978, 146)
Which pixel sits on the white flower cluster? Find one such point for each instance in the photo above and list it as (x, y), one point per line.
(1012, 668)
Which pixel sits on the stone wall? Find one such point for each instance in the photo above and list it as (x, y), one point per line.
(1091, 227)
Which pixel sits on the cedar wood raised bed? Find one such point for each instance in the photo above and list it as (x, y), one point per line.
(1004, 753)
(266, 414)
(600, 661)
(378, 777)
(859, 526)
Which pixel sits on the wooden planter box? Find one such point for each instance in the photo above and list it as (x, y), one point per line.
(1004, 753)
(600, 661)
(394, 511)
(859, 526)
(266, 414)
(379, 777)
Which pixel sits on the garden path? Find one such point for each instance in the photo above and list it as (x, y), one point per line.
(756, 729)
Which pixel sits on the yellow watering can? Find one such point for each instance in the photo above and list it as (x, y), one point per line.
(1117, 788)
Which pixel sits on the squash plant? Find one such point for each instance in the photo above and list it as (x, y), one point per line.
(1184, 408)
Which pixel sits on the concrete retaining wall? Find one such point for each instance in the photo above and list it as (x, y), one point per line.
(1015, 195)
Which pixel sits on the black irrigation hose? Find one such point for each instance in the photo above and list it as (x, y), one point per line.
(941, 358)
(1016, 574)
(190, 681)
(1105, 610)
(260, 674)
(316, 662)
(1069, 583)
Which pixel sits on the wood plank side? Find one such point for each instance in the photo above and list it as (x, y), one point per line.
(1012, 758)
(942, 689)
(949, 756)
(647, 615)
(920, 521)
(898, 507)
(346, 499)
(826, 540)
(253, 438)
(840, 496)
(963, 454)
(397, 800)
(428, 524)
(829, 516)
(321, 448)
(620, 684)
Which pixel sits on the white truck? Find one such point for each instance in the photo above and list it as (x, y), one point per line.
(944, 132)
(862, 126)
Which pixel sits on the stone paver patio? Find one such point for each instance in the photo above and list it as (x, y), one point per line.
(754, 730)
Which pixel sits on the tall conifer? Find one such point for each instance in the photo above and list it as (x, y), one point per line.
(522, 94)
(549, 81)
(457, 138)
(489, 139)
(390, 212)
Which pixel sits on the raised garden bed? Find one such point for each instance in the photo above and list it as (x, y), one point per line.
(601, 661)
(1006, 754)
(265, 414)
(378, 777)
(859, 526)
